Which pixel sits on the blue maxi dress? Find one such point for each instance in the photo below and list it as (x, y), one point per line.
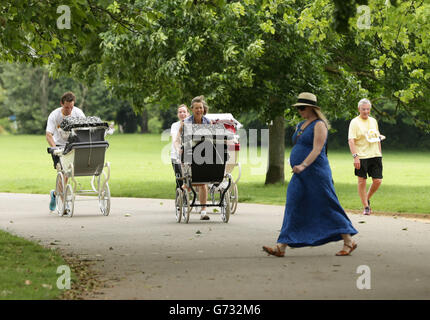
(313, 215)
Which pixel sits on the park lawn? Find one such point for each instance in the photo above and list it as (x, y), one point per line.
(27, 270)
(140, 167)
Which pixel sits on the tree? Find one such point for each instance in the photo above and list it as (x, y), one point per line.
(240, 55)
(389, 57)
(31, 94)
(250, 54)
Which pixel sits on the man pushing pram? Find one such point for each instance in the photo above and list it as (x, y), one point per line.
(77, 146)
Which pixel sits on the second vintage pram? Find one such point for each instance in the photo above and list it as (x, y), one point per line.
(204, 156)
(233, 147)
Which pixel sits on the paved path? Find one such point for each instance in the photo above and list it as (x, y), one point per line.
(144, 254)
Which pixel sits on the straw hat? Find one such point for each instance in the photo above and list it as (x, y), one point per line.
(306, 99)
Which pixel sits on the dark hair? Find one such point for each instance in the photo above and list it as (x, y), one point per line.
(68, 97)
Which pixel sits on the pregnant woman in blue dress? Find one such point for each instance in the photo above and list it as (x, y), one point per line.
(313, 215)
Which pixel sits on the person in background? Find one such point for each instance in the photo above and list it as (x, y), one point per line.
(182, 113)
(364, 142)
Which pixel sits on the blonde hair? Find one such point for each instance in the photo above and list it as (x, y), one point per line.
(322, 117)
(183, 106)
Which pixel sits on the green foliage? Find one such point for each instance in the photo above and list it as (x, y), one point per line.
(397, 61)
(31, 94)
(241, 55)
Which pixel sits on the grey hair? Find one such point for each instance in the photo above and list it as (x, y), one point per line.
(202, 100)
(364, 101)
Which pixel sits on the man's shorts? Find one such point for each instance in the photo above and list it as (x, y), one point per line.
(371, 167)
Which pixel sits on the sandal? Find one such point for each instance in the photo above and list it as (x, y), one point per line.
(347, 253)
(274, 252)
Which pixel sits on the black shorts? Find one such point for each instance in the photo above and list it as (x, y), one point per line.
(371, 167)
(178, 173)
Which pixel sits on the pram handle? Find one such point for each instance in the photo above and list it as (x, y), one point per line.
(55, 150)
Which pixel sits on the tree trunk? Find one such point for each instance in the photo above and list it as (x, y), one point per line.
(44, 99)
(143, 121)
(84, 90)
(275, 171)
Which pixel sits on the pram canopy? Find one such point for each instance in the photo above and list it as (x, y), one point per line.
(230, 123)
(205, 149)
(86, 145)
(84, 132)
(224, 118)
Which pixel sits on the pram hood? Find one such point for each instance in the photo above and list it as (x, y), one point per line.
(84, 132)
(224, 117)
(70, 123)
(198, 131)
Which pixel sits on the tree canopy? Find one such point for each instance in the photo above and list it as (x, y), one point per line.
(249, 54)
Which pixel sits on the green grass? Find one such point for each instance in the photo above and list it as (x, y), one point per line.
(139, 170)
(27, 270)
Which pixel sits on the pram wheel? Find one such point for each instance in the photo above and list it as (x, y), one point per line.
(234, 197)
(186, 208)
(178, 205)
(225, 207)
(69, 201)
(104, 199)
(59, 193)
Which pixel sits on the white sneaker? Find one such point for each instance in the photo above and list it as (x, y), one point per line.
(203, 215)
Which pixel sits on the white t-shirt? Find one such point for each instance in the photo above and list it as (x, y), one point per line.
(174, 130)
(54, 121)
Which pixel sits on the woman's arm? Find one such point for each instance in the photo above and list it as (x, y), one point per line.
(320, 135)
(177, 142)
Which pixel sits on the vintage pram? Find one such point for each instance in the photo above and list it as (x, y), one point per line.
(233, 147)
(204, 156)
(83, 155)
